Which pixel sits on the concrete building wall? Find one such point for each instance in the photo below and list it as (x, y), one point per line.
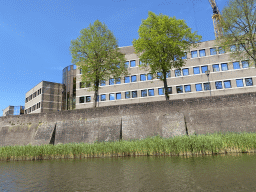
(13, 110)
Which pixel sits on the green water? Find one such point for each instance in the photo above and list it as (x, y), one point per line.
(153, 173)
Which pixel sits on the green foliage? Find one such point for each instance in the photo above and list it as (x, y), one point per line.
(96, 52)
(238, 21)
(162, 43)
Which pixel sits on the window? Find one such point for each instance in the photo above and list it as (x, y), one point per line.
(218, 84)
(134, 78)
(160, 91)
(134, 94)
(143, 77)
(81, 99)
(248, 81)
(118, 80)
(40, 91)
(97, 99)
(221, 50)
(80, 71)
(168, 74)
(82, 85)
(169, 90)
(204, 68)
(150, 76)
(88, 98)
(187, 88)
(185, 72)
(127, 79)
(224, 66)
(74, 66)
(103, 97)
(127, 94)
(202, 52)
(233, 48)
(111, 81)
(185, 56)
(207, 86)
(144, 93)
(196, 70)
(102, 83)
(199, 87)
(159, 75)
(177, 72)
(133, 64)
(239, 83)
(227, 84)
(126, 64)
(39, 105)
(140, 63)
(118, 96)
(236, 65)
(112, 96)
(193, 54)
(179, 89)
(151, 92)
(213, 51)
(245, 64)
(215, 67)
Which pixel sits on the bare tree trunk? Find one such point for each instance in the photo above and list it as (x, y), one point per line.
(165, 87)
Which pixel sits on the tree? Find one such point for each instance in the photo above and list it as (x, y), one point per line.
(238, 21)
(161, 44)
(96, 53)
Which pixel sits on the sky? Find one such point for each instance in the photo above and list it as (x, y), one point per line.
(35, 35)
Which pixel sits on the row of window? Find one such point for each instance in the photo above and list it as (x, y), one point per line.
(38, 92)
(33, 108)
(179, 89)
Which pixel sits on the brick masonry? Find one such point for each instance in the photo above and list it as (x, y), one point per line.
(235, 113)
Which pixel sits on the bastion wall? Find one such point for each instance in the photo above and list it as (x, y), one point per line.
(234, 113)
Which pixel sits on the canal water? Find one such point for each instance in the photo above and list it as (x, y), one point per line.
(153, 173)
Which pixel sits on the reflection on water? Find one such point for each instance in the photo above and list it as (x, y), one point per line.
(154, 173)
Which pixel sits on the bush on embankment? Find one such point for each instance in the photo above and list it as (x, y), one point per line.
(179, 145)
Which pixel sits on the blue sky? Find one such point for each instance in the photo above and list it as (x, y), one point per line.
(35, 35)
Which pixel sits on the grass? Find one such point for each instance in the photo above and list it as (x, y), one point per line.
(180, 145)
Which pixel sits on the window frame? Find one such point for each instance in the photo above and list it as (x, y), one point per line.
(192, 52)
(132, 61)
(180, 88)
(176, 72)
(185, 86)
(219, 83)
(144, 77)
(132, 78)
(125, 78)
(203, 52)
(117, 94)
(200, 86)
(213, 67)
(222, 66)
(127, 94)
(184, 70)
(194, 70)
(239, 80)
(149, 92)
(213, 50)
(247, 81)
(144, 92)
(225, 84)
(112, 95)
(101, 97)
(87, 99)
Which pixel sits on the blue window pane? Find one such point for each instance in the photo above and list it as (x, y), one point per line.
(233, 48)
(102, 83)
(202, 53)
(88, 98)
(159, 75)
(140, 62)
(111, 81)
(118, 80)
(134, 78)
(204, 69)
(187, 88)
(127, 94)
(179, 89)
(177, 72)
(193, 54)
(221, 50)
(199, 87)
(143, 77)
(218, 84)
(236, 65)
(127, 79)
(151, 92)
(168, 74)
(185, 72)
(118, 96)
(111, 96)
(215, 67)
(150, 76)
(144, 93)
(239, 83)
(126, 64)
(248, 82)
(245, 64)
(227, 84)
(213, 51)
(160, 91)
(207, 86)
(97, 98)
(196, 70)
(224, 66)
(134, 94)
(133, 64)
(185, 57)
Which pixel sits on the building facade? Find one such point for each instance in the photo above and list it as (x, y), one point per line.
(226, 77)
(13, 110)
(45, 97)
